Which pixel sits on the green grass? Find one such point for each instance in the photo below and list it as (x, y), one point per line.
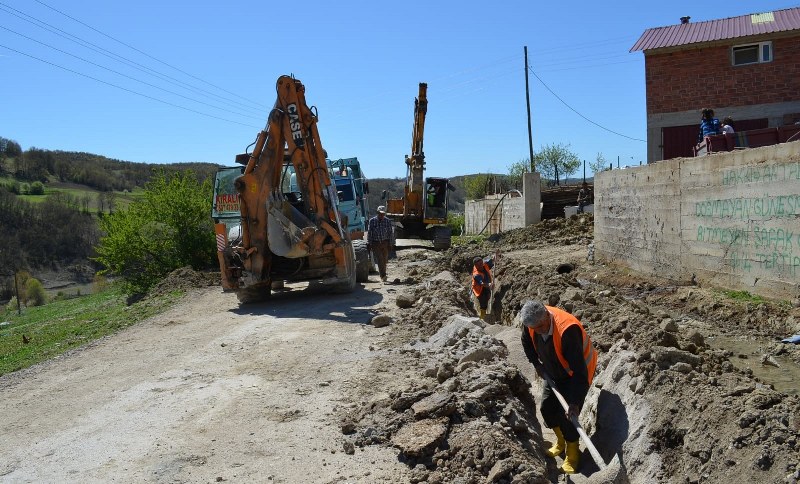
(122, 200)
(63, 325)
(744, 296)
(467, 239)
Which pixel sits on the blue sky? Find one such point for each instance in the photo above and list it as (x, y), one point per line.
(197, 78)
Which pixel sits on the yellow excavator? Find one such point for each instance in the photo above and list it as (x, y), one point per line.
(422, 211)
(289, 226)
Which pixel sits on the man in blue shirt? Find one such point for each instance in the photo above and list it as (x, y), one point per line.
(379, 238)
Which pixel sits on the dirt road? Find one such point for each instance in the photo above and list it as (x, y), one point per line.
(303, 389)
(206, 392)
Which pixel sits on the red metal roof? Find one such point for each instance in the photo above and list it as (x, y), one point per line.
(727, 28)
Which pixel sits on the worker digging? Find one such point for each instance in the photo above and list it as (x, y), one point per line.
(556, 344)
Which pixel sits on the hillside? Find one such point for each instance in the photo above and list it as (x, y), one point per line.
(50, 202)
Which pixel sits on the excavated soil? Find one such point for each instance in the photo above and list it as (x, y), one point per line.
(692, 385)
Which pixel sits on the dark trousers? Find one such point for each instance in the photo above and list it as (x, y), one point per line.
(554, 414)
(483, 299)
(380, 250)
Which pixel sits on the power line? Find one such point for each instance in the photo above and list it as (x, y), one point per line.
(128, 90)
(579, 114)
(105, 52)
(257, 104)
(127, 76)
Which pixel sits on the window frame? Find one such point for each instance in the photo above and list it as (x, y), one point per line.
(759, 49)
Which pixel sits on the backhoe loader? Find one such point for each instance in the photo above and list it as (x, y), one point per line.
(289, 227)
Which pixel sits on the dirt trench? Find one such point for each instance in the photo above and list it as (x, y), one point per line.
(671, 397)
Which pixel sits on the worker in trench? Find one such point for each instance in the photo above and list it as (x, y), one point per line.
(483, 281)
(557, 345)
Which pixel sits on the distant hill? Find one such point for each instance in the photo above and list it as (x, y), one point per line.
(50, 202)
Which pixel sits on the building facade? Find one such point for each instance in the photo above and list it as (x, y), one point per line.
(745, 67)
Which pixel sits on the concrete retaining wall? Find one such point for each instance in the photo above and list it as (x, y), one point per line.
(730, 219)
(511, 212)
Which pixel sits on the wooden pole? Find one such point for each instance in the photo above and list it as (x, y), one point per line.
(16, 288)
(528, 102)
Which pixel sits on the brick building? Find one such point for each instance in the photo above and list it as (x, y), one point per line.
(746, 67)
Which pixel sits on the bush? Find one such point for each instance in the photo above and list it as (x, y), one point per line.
(100, 283)
(168, 228)
(37, 188)
(12, 304)
(455, 222)
(35, 291)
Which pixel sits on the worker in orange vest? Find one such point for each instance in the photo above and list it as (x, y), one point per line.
(556, 343)
(483, 281)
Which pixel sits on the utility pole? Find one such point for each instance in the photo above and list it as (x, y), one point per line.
(528, 101)
(584, 171)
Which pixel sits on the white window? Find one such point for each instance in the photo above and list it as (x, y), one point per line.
(751, 53)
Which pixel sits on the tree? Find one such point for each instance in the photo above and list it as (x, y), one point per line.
(111, 198)
(168, 228)
(516, 170)
(13, 149)
(600, 164)
(475, 186)
(101, 202)
(556, 161)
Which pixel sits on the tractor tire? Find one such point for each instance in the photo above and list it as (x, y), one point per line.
(349, 284)
(254, 294)
(441, 237)
(363, 261)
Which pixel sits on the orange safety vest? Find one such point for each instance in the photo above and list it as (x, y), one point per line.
(561, 321)
(477, 289)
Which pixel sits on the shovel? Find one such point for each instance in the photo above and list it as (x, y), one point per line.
(495, 271)
(612, 472)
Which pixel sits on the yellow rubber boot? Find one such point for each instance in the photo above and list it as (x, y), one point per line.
(570, 465)
(558, 447)
(483, 314)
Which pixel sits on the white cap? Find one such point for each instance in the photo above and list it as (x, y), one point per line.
(381, 209)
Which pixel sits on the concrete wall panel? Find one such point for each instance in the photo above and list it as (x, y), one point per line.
(730, 219)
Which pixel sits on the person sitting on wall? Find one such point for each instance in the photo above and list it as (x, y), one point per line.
(709, 125)
(727, 125)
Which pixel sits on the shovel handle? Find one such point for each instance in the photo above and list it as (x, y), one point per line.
(589, 445)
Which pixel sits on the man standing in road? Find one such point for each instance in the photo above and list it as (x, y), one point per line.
(379, 238)
(557, 345)
(583, 197)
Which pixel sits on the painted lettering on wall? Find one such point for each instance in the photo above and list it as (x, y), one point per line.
(756, 233)
(761, 174)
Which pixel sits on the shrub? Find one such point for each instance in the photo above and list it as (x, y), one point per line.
(168, 228)
(35, 291)
(12, 304)
(37, 188)
(455, 222)
(100, 283)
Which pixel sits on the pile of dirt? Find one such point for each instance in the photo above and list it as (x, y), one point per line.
(183, 279)
(455, 408)
(666, 397)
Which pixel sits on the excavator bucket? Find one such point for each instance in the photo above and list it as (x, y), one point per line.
(288, 230)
